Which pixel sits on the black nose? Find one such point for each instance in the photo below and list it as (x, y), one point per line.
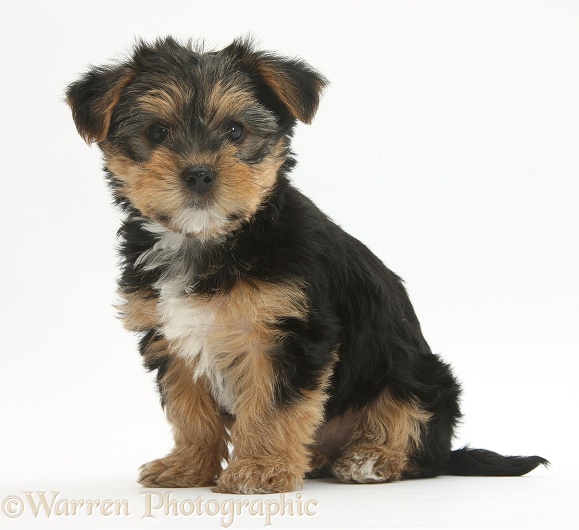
(199, 179)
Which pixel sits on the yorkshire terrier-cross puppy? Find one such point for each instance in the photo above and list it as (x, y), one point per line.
(269, 327)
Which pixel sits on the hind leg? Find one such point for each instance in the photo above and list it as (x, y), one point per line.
(386, 437)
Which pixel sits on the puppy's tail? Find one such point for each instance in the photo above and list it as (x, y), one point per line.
(483, 463)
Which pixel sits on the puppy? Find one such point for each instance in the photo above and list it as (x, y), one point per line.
(269, 327)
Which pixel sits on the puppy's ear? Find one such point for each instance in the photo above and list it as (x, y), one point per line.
(93, 98)
(296, 84)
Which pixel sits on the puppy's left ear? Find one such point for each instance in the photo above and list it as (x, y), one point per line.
(295, 83)
(93, 98)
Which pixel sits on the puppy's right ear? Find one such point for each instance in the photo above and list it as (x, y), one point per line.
(93, 98)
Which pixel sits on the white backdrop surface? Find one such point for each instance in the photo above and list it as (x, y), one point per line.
(448, 142)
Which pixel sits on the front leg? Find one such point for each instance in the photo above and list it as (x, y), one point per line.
(198, 429)
(272, 433)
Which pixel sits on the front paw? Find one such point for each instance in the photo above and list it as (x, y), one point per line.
(178, 471)
(249, 476)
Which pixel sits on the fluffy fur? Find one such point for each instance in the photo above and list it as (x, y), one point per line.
(268, 326)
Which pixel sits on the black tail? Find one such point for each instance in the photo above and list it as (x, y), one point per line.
(483, 463)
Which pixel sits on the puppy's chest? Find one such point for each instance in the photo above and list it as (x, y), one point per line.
(219, 332)
(187, 319)
(202, 329)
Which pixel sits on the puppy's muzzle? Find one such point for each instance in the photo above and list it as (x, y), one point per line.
(199, 179)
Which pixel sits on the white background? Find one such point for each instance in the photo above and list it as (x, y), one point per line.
(448, 142)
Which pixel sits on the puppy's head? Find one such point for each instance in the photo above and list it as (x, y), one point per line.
(195, 141)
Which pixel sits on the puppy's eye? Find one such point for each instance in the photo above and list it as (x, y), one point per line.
(157, 133)
(234, 131)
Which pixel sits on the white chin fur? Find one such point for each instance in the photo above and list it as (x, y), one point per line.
(205, 223)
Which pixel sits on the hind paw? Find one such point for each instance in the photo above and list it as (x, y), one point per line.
(369, 465)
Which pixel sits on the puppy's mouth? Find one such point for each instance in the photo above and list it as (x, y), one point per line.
(198, 221)
(194, 210)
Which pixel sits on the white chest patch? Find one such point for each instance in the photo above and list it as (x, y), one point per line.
(189, 324)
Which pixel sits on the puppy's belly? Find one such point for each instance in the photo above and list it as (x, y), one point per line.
(334, 435)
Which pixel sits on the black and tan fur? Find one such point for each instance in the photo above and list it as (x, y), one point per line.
(269, 327)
